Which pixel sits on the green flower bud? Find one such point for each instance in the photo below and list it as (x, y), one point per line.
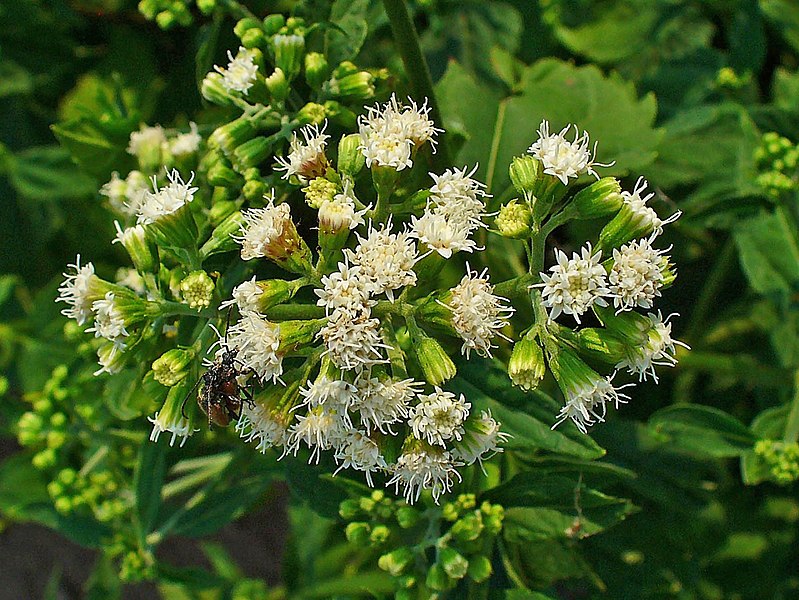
(252, 152)
(397, 561)
(67, 476)
(213, 90)
(450, 511)
(316, 69)
(526, 367)
(349, 509)
(524, 174)
(221, 208)
(407, 516)
(197, 289)
(454, 564)
(437, 579)
(149, 8)
(289, 50)
(138, 246)
(274, 292)
(356, 86)
(223, 176)
(231, 135)
(479, 568)
(467, 528)
(319, 190)
(58, 420)
(493, 515)
(170, 367)
(44, 459)
(358, 533)
(366, 504)
(513, 220)
(601, 345)
(278, 85)
(379, 535)
(600, 199)
(55, 489)
(312, 113)
(63, 505)
(221, 239)
(206, 7)
(274, 23)
(436, 364)
(253, 190)
(244, 25)
(166, 20)
(350, 158)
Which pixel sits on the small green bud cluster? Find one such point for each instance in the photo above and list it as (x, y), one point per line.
(96, 492)
(463, 540)
(777, 159)
(135, 563)
(171, 13)
(782, 459)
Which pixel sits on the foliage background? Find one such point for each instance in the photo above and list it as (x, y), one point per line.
(678, 91)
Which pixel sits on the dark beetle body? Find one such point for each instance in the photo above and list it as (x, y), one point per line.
(220, 396)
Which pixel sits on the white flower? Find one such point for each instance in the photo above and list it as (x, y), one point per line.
(481, 439)
(186, 143)
(110, 357)
(416, 122)
(385, 259)
(477, 313)
(256, 341)
(358, 451)
(575, 284)
(439, 417)
(115, 190)
(562, 158)
(643, 214)
(340, 212)
(307, 158)
(443, 235)
(166, 200)
(319, 429)
(146, 141)
(658, 350)
(264, 231)
(586, 402)
(245, 296)
(353, 340)
(131, 279)
(137, 188)
(76, 290)
(257, 424)
(422, 468)
(108, 320)
(179, 428)
(334, 394)
(344, 290)
(636, 276)
(239, 76)
(381, 403)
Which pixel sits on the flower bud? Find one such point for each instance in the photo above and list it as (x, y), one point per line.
(349, 509)
(601, 345)
(221, 239)
(367, 505)
(355, 86)
(278, 85)
(350, 159)
(147, 146)
(252, 152)
(437, 579)
(206, 7)
(397, 561)
(455, 565)
(274, 292)
(223, 176)
(493, 515)
(137, 244)
(358, 532)
(231, 135)
(318, 191)
(524, 173)
(213, 90)
(289, 50)
(312, 113)
(407, 516)
(170, 367)
(245, 24)
(526, 367)
(467, 528)
(436, 364)
(316, 69)
(221, 207)
(479, 568)
(274, 23)
(110, 358)
(197, 289)
(513, 220)
(253, 190)
(600, 199)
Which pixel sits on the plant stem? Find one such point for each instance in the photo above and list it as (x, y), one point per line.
(792, 424)
(706, 301)
(407, 41)
(291, 312)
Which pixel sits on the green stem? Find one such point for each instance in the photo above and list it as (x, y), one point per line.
(237, 9)
(407, 41)
(492, 158)
(792, 424)
(292, 312)
(170, 308)
(710, 290)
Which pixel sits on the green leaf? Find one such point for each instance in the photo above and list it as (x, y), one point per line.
(148, 481)
(703, 430)
(344, 41)
(784, 16)
(523, 524)
(103, 583)
(14, 79)
(130, 394)
(309, 483)
(363, 584)
(525, 595)
(768, 425)
(47, 173)
(769, 254)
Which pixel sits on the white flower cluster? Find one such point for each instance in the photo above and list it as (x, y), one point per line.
(153, 144)
(306, 158)
(165, 200)
(562, 158)
(240, 73)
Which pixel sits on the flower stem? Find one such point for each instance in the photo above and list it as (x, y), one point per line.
(407, 41)
(293, 312)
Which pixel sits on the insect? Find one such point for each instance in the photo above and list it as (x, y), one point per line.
(220, 396)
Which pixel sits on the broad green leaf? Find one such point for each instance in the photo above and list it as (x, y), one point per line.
(14, 79)
(47, 173)
(524, 524)
(128, 397)
(768, 425)
(344, 41)
(703, 430)
(309, 483)
(769, 253)
(91, 146)
(784, 17)
(148, 481)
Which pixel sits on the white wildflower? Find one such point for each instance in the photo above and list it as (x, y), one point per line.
(562, 158)
(257, 341)
(477, 313)
(424, 468)
(344, 290)
(306, 158)
(382, 403)
(636, 276)
(257, 424)
(266, 232)
(245, 296)
(459, 196)
(354, 341)
(574, 284)
(111, 359)
(240, 73)
(334, 394)
(77, 291)
(319, 429)
(186, 143)
(137, 188)
(645, 215)
(443, 235)
(586, 402)
(146, 141)
(359, 452)
(108, 320)
(178, 427)
(116, 191)
(481, 439)
(439, 417)
(385, 259)
(166, 200)
(341, 212)
(659, 350)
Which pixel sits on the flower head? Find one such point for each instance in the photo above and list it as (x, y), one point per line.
(439, 417)
(240, 73)
(257, 423)
(108, 320)
(146, 144)
(256, 341)
(353, 340)
(636, 276)
(245, 296)
(384, 402)
(269, 232)
(319, 429)
(642, 216)
(481, 439)
(306, 158)
(385, 259)
(424, 467)
(79, 290)
(562, 158)
(344, 290)
(659, 349)
(575, 284)
(166, 200)
(186, 143)
(340, 213)
(359, 452)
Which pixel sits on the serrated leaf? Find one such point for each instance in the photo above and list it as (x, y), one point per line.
(769, 253)
(46, 173)
(703, 430)
(344, 41)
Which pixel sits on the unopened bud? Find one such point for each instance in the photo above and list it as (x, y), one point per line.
(350, 159)
(289, 50)
(479, 568)
(318, 191)
(437, 579)
(407, 516)
(467, 528)
(526, 367)
(396, 562)
(231, 135)
(513, 220)
(316, 69)
(278, 85)
(379, 535)
(340, 114)
(455, 565)
(312, 114)
(600, 199)
(138, 246)
(601, 345)
(436, 364)
(253, 190)
(349, 509)
(197, 289)
(274, 23)
(206, 7)
(222, 175)
(170, 367)
(252, 152)
(358, 532)
(356, 86)
(245, 24)
(221, 239)
(214, 91)
(524, 173)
